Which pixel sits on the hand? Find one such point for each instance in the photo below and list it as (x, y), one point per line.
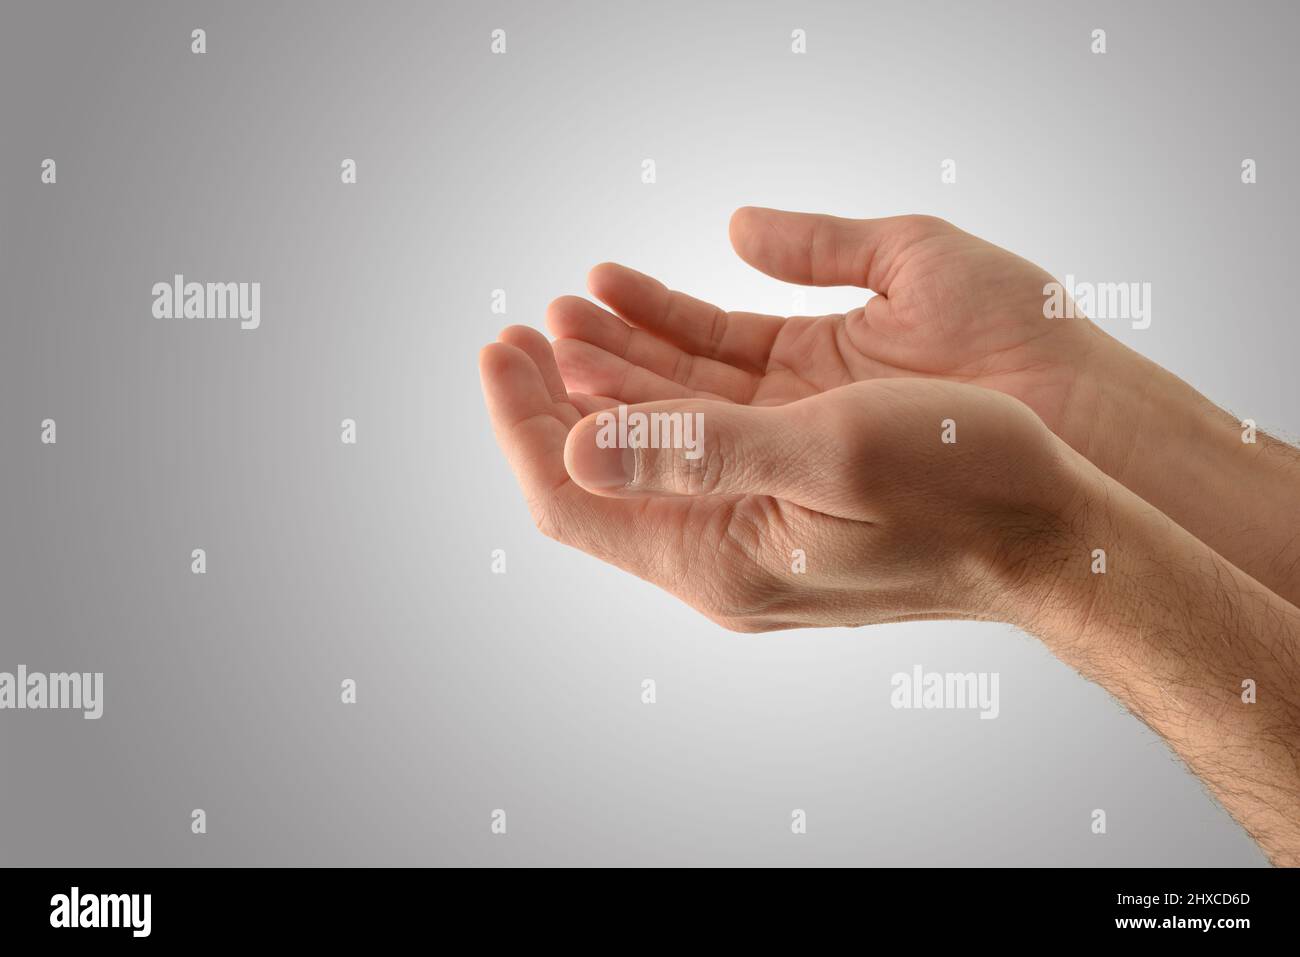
(894, 523)
(950, 306)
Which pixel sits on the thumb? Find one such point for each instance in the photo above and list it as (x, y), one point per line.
(685, 447)
(816, 250)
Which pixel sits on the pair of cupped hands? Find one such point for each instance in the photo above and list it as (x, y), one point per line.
(923, 456)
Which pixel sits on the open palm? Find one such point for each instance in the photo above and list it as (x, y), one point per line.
(831, 479)
(948, 305)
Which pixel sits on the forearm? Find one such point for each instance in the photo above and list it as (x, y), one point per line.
(1205, 655)
(1158, 436)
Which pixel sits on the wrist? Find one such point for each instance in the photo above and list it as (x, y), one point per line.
(1126, 585)
(1157, 436)
(1092, 599)
(1044, 546)
(1128, 416)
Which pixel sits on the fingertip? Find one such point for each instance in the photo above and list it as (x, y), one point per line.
(495, 359)
(746, 217)
(511, 380)
(563, 312)
(744, 226)
(601, 272)
(593, 466)
(520, 336)
(614, 283)
(743, 218)
(602, 277)
(501, 369)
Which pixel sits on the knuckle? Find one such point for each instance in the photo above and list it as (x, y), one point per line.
(842, 445)
(674, 471)
(847, 440)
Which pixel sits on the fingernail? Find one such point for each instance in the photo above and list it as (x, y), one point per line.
(602, 468)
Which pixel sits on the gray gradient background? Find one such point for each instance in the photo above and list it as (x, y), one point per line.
(371, 562)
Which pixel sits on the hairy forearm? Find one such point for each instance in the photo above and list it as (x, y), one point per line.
(1201, 652)
(1158, 436)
